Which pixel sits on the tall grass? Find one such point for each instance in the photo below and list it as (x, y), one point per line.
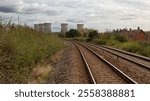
(130, 46)
(21, 49)
(120, 41)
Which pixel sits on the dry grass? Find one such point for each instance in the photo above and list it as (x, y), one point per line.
(21, 50)
(40, 74)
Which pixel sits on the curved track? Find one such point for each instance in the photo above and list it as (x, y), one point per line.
(102, 71)
(136, 59)
(135, 66)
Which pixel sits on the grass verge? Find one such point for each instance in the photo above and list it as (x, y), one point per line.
(21, 50)
(121, 42)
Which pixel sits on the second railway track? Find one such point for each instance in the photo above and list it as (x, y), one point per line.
(136, 59)
(100, 70)
(139, 73)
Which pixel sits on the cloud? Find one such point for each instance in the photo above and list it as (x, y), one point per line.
(35, 8)
(128, 17)
(22, 7)
(76, 20)
(99, 14)
(134, 4)
(8, 9)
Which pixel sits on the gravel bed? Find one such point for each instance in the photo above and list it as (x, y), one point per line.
(134, 71)
(102, 73)
(146, 63)
(70, 69)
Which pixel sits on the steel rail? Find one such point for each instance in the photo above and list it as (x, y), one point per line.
(119, 72)
(128, 53)
(130, 60)
(87, 65)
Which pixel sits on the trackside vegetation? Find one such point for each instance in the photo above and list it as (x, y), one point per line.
(119, 41)
(21, 49)
(72, 33)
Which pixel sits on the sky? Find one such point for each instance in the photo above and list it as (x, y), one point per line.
(103, 15)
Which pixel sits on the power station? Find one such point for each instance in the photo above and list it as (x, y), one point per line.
(46, 27)
(80, 28)
(36, 27)
(64, 28)
(41, 27)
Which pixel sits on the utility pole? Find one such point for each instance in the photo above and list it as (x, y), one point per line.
(18, 20)
(1, 20)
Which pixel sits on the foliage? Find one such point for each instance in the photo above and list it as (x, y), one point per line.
(72, 33)
(120, 41)
(131, 47)
(120, 38)
(92, 34)
(21, 50)
(100, 41)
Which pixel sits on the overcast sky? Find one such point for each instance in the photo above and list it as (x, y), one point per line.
(98, 14)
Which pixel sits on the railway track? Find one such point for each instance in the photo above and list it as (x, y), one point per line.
(142, 61)
(99, 69)
(138, 68)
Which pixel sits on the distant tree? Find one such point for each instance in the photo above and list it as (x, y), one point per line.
(92, 34)
(72, 33)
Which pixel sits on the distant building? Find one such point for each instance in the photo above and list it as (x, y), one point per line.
(64, 28)
(41, 27)
(148, 35)
(136, 34)
(47, 27)
(80, 28)
(36, 27)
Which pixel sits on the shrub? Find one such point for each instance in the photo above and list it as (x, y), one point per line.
(111, 42)
(145, 50)
(92, 34)
(131, 47)
(72, 33)
(100, 41)
(120, 38)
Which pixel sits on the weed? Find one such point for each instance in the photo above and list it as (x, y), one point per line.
(23, 48)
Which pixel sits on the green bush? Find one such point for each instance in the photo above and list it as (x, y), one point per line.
(131, 47)
(72, 33)
(145, 51)
(111, 42)
(120, 41)
(92, 34)
(100, 41)
(120, 38)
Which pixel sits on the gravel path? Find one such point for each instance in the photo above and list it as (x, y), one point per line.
(70, 69)
(102, 73)
(134, 71)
